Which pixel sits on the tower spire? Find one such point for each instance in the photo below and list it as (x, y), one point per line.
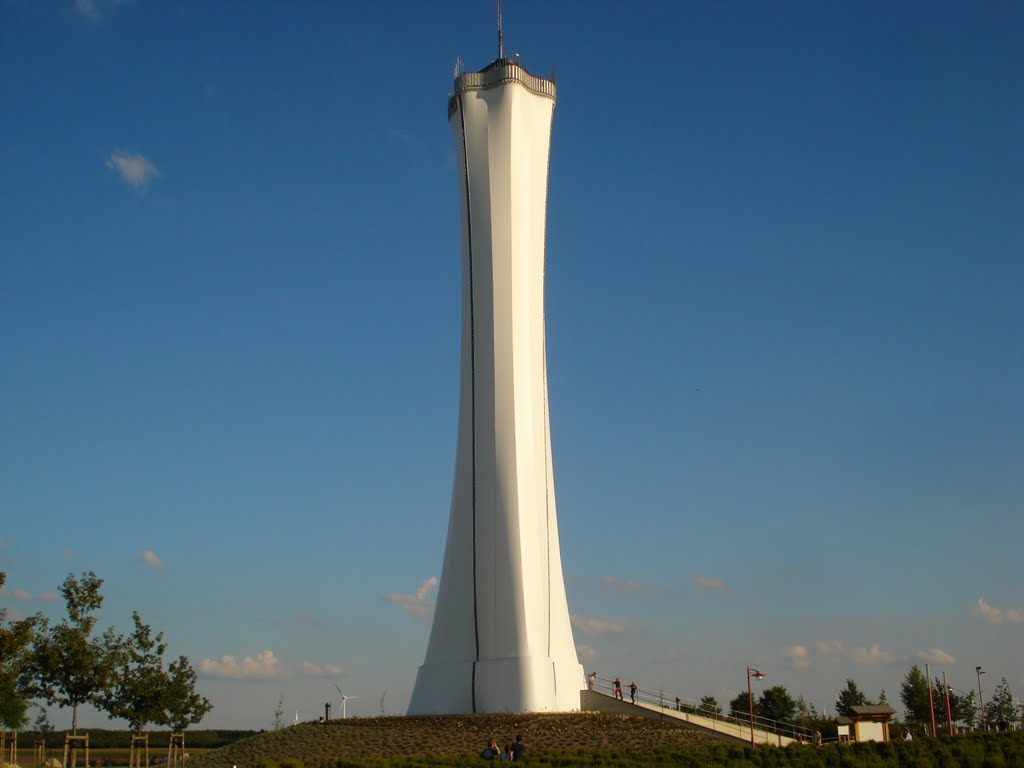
(500, 48)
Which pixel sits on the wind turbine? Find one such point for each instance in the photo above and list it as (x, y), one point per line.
(344, 701)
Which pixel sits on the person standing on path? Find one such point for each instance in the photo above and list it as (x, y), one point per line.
(632, 691)
(618, 689)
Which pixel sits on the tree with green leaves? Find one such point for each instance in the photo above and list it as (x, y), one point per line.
(278, 714)
(140, 685)
(1000, 711)
(739, 705)
(15, 665)
(776, 703)
(850, 696)
(966, 711)
(914, 695)
(962, 708)
(184, 706)
(710, 704)
(806, 712)
(70, 664)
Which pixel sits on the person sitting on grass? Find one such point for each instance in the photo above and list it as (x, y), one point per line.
(491, 751)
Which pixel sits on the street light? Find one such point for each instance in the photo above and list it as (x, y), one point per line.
(981, 701)
(949, 710)
(752, 673)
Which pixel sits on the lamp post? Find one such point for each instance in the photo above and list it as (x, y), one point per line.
(949, 711)
(752, 673)
(981, 701)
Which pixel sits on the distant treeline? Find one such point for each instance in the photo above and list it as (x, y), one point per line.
(103, 738)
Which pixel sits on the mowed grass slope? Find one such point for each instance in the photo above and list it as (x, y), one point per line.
(450, 736)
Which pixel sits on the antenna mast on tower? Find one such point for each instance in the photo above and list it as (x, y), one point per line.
(500, 51)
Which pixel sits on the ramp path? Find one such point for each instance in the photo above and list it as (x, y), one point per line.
(657, 704)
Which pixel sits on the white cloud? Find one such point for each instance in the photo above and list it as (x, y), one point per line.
(262, 666)
(830, 647)
(88, 9)
(797, 656)
(416, 604)
(626, 585)
(21, 594)
(936, 656)
(598, 627)
(149, 558)
(134, 169)
(309, 669)
(706, 583)
(585, 653)
(993, 615)
(871, 656)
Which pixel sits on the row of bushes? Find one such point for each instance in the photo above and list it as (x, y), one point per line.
(984, 750)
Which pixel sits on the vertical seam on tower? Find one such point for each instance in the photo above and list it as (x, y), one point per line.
(547, 476)
(472, 384)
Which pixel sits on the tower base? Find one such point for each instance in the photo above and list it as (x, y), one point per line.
(517, 684)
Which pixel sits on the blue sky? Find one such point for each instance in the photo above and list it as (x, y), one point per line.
(785, 261)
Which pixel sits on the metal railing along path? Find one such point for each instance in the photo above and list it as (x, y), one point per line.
(735, 724)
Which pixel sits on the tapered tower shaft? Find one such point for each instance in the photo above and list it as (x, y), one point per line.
(501, 638)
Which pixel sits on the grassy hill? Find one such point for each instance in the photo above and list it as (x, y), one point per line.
(450, 736)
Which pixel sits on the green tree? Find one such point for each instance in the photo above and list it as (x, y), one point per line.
(1000, 710)
(278, 714)
(914, 695)
(42, 723)
(710, 704)
(72, 666)
(140, 684)
(966, 710)
(776, 703)
(850, 696)
(15, 665)
(184, 705)
(806, 713)
(739, 705)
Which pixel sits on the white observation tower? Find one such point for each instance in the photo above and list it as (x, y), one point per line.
(501, 639)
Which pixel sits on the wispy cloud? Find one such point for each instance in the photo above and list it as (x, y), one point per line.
(309, 669)
(993, 615)
(21, 594)
(627, 585)
(150, 558)
(134, 169)
(262, 666)
(416, 604)
(585, 653)
(936, 656)
(598, 627)
(706, 583)
(871, 656)
(88, 9)
(830, 647)
(306, 619)
(797, 656)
